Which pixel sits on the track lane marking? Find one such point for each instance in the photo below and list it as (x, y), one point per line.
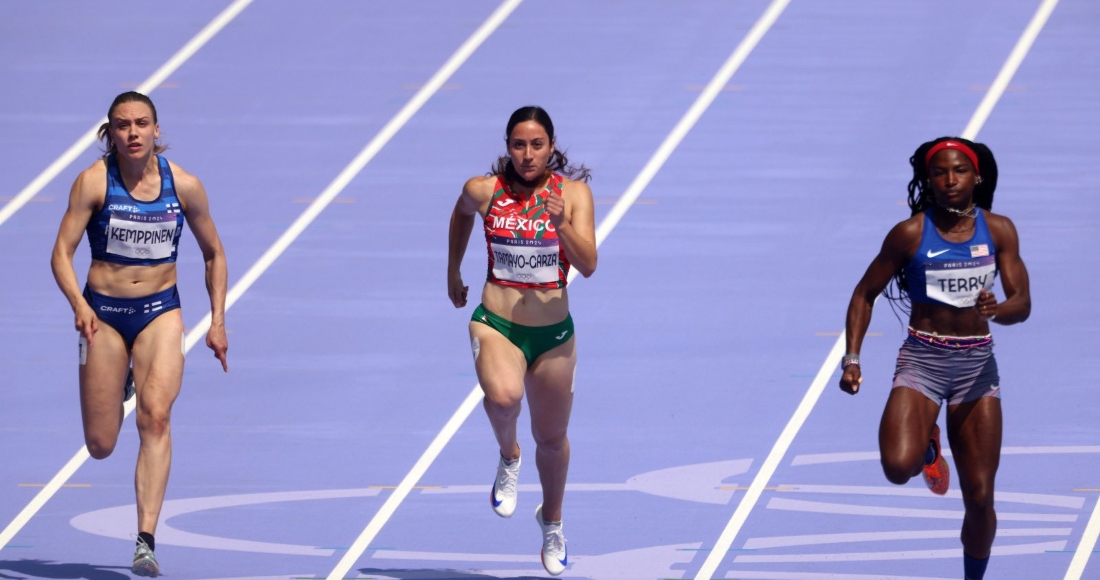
(88, 138)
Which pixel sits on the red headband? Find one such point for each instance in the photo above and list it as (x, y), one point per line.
(956, 145)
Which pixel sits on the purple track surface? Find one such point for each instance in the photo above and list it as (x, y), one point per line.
(717, 299)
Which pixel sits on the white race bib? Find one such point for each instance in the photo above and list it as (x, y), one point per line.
(959, 283)
(529, 261)
(141, 236)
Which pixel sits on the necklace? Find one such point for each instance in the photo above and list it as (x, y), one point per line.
(966, 213)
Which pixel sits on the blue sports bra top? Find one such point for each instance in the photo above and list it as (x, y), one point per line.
(952, 273)
(134, 232)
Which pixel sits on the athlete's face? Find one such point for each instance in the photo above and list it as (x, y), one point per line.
(530, 148)
(133, 130)
(952, 178)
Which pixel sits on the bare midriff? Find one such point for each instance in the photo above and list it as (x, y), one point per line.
(526, 306)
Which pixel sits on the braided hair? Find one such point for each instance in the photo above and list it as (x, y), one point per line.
(921, 198)
(558, 163)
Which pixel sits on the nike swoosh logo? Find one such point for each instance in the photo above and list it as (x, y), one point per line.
(932, 254)
(562, 335)
(493, 496)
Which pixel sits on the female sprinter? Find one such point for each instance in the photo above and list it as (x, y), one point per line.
(944, 259)
(133, 203)
(538, 221)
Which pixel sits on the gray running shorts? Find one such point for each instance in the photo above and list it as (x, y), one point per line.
(957, 375)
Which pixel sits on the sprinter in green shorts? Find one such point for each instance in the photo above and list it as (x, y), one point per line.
(538, 221)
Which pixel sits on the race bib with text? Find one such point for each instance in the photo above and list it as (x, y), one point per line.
(141, 236)
(526, 260)
(959, 283)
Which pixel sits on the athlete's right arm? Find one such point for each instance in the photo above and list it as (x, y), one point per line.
(475, 196)
(83, 198)
(895, 251)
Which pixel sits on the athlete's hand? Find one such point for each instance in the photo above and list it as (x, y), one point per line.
(555, 205)
(851, 379)
(216, 340)
(986, 305)
(86, 322)
(455, 290)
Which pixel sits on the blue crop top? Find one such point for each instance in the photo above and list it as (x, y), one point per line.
(952, 273)
(133, 232)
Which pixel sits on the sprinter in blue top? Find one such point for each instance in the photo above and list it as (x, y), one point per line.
(133, 203)
(944, 260)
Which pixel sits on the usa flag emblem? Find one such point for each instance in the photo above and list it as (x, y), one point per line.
(979, 250)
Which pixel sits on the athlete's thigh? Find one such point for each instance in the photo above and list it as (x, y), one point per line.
(500, 365)
(103, 368)
(975, 430)
(906, 423)
(550, 388)
(158, 361)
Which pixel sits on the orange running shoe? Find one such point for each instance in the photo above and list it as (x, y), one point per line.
(936, 475)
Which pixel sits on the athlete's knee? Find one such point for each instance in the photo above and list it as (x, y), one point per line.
(503, 404)
(978, 496)
(153, 422)
(552, 439)
(898, 470)
(100, 447)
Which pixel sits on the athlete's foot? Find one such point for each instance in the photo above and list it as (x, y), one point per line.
(145, 563)
(503, 495)
(936, 474)
(554, 555)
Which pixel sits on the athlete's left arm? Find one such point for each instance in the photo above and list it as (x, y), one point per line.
(196, 208)
(1014, 280)
(574, 219)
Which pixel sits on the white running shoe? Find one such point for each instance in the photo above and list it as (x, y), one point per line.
(503, 495)
(145, 563)
(554, 555)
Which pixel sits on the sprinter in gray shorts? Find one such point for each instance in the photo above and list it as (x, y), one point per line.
(944, 260)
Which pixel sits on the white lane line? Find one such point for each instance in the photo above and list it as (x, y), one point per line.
(45, 494)
(713, 88)
(402, 490)
(718, 552)
(626, 200)
(1085, 546)
(783, 443)
(1015, 58)
(344, 178)
(44, 178)
(87, 139)
(264, 262)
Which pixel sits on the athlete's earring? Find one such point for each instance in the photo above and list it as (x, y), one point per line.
(979, 182)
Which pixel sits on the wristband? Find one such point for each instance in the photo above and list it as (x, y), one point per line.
(848, 360)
